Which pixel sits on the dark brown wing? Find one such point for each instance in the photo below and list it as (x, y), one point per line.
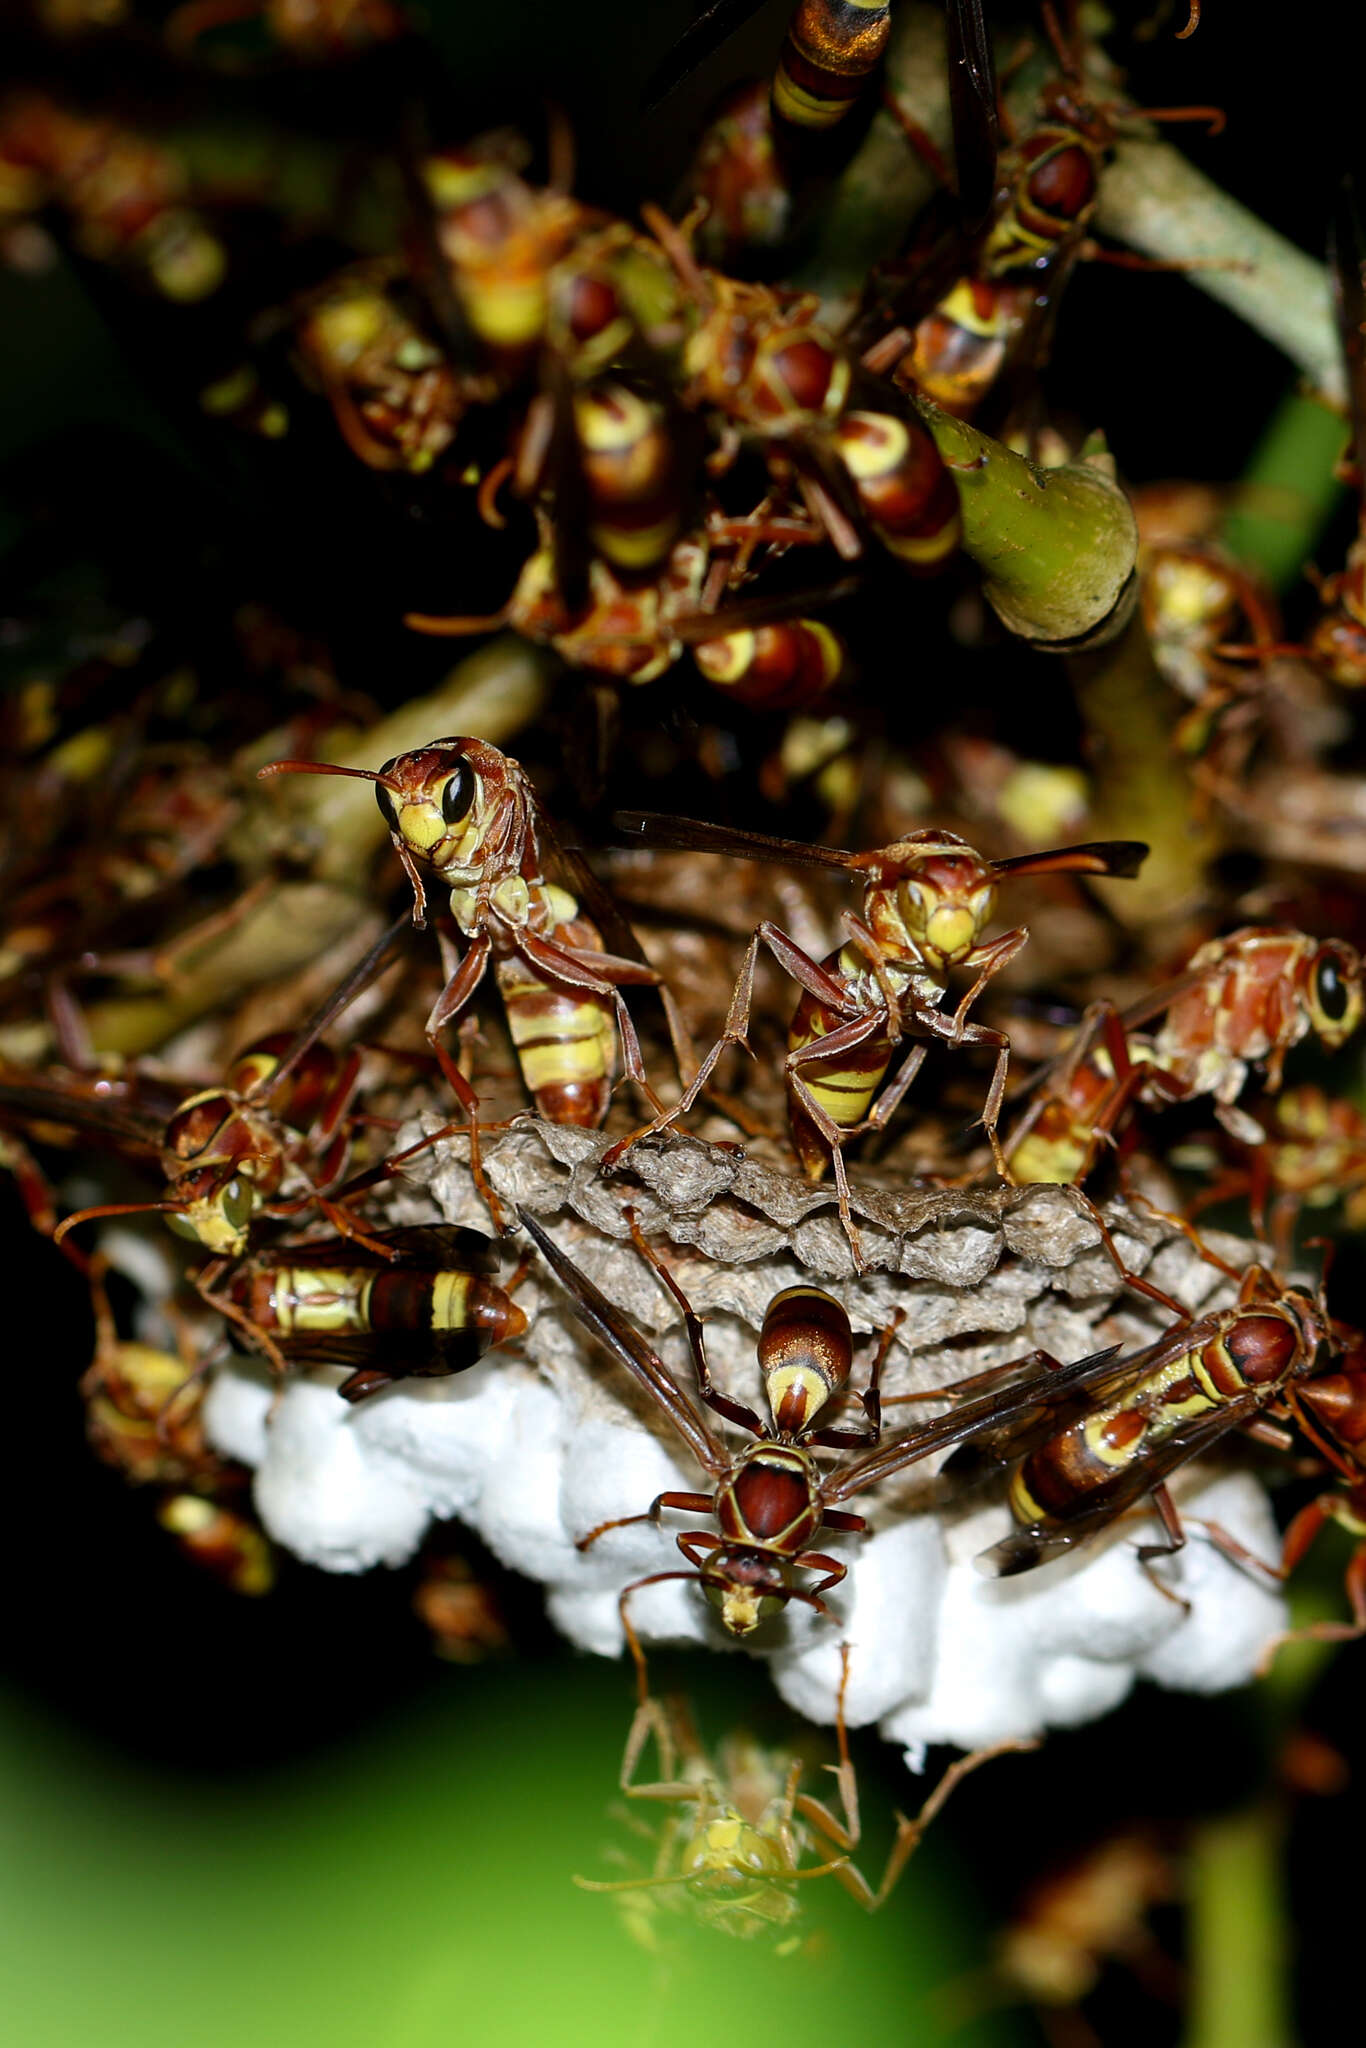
(1024, 1405)
(334, 1002)
(629, 1348)
(712, 27)
(1121, 858)
(748, 613)
(30, 1101)
(694, 835)
(972, 103)
(1023, 1549)
(428, 1247)
(1159, 999)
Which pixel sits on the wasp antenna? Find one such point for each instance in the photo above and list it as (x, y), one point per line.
(324, 768)
(431, 622)
(113, 1209)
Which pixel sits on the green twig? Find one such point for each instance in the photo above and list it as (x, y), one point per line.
(1239, 1996)
(1141, 785)
(1056, 547)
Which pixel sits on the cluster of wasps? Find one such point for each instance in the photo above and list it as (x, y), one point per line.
(677, 432)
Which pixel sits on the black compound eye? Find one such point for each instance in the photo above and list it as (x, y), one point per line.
(458, 794)
(385, 797)
(1330, 989)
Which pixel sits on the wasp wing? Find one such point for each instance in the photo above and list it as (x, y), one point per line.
(1034, 1544)
(712, 27)
(629, 1348)
(43, 1106)
(972, 104)
(1120, 858)
(695, 835)
(1023, 1404)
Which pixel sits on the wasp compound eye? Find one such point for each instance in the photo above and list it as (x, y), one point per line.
(1330, 989)
(458, 794)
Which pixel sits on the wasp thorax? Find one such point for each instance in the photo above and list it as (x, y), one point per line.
(728, 1853)
(1264, 1347)
(805, 1352)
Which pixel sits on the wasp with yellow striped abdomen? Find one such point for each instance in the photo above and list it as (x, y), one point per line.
(1116, 1440)
(773, 1499)
(420, 1306)
(831, 60)
(466, 814)
(927, 902)
(763, 362)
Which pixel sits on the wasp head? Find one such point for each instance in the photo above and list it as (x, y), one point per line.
(446, 805)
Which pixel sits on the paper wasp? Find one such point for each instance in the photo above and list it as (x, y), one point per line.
(1331, 1412)
(998, 302)
(739, 1828)
(396, 398)
(419, 1306)
(927, 901)
(123, 193)
(863, 458)
(467, 815)
(1115, 1438)
(1314, 1155)
(830, 57)
(636, 628)
(1247, 999)
(773, 1499)
(271, 1139)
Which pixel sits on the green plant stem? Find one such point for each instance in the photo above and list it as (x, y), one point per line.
(1289, 490)
(1157, 203)
(1238, 1995)
(1141, 786)
(1056, 547)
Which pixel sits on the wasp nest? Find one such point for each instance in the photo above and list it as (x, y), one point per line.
(543, 1441)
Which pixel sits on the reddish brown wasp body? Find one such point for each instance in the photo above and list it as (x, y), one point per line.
(1116, 1441)
(1331, 1412)
(830, 56)
(773, 1499)
(123, 193)
(732, 1849)
(420, 1306)
(635, 628)
(396, 399)
(1079, 1106)
(762, 360)
(1247, 999)
(466, 814)
(272, 1137)
(1001, 307)
(1314, 1155)
(927, 902)
(737, 173)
